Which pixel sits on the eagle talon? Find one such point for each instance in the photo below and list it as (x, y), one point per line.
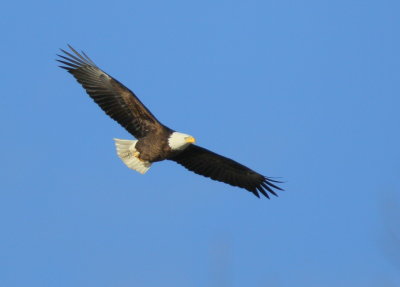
(137, 154)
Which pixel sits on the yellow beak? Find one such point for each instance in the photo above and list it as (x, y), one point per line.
(190, 140)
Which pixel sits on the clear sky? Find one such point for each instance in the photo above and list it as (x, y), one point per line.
(307, 91)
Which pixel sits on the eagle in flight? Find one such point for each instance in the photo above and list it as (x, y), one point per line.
(155, 141)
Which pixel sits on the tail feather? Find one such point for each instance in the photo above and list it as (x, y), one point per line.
(125, 151)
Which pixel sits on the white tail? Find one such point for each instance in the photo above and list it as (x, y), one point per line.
(125, 151)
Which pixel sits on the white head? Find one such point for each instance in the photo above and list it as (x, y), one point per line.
(180, 141)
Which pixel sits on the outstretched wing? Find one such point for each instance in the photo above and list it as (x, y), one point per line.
(113, 97)
(217, 167)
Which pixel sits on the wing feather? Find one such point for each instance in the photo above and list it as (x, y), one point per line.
(220, 168)
(114, 98)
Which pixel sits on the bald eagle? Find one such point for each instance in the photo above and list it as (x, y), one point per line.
(155, 141)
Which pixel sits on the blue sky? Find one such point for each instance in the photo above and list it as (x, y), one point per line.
(303, 90)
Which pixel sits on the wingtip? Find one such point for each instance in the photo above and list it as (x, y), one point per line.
(254, 191)
(266, 188)
(269, 183)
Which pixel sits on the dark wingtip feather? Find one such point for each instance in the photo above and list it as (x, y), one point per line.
(260, 189)
(265, 187)
(66, 68)
(74, 59)
(274, 180)
(270, 181)
(255, 193)
(70, 65)
(268, 188)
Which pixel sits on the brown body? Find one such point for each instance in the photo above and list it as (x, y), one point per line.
(154, 147)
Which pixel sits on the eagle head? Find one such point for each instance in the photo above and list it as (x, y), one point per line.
(180, 141)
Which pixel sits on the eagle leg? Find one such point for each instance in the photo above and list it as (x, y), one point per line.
(137, 154)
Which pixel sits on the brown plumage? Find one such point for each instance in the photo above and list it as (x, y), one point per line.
(153, 143)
